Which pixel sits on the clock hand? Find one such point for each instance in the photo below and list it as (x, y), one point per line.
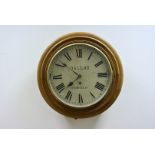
(78, 75)
(74, 72)
(69, 68)
(71, 83)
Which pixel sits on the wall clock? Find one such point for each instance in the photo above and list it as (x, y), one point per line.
(80, 75)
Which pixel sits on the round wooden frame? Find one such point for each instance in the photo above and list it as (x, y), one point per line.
(111, 95)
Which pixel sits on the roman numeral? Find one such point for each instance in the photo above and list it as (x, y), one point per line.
(80, 98)
(92, 94)
(69, 95)
(57, 77)
(67, 56)
(99, 63)
(79, 53)
(90, 55)
(99, 86)
(60, 87)
(60, 65)
(102, 74)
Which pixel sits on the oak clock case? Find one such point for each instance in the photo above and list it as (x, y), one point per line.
(80, 75)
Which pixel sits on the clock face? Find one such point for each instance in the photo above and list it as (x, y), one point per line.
(79, 75)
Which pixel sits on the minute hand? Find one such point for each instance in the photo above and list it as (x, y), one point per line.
(71, 69)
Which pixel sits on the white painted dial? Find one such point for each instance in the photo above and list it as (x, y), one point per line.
(79, 75)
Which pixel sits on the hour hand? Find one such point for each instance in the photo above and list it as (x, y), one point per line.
(72, 82)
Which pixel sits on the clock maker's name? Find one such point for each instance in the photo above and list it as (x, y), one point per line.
(79, 87)
(80, 67)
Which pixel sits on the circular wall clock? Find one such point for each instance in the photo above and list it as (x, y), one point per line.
(80, 75)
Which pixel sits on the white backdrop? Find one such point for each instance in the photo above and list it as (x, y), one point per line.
(21, 104)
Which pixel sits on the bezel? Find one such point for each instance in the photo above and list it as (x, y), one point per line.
(64, 102)
(113, 91)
